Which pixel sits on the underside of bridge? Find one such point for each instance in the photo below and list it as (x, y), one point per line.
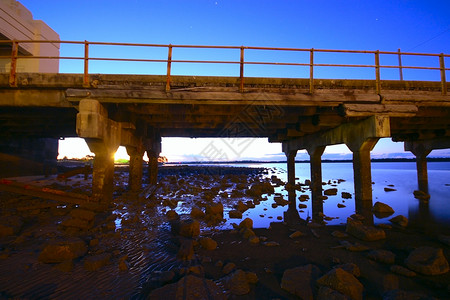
(136, 111)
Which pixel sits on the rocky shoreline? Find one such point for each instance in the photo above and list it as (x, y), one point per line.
(165, 243)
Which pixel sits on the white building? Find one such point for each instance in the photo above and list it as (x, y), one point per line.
(17, 23)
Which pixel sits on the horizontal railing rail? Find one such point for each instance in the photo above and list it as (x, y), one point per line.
(440, 65)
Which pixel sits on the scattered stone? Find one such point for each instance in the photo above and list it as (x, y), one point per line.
(351, 268)
(303, 198)
(189, 287)
(59, 251)
(214, 211)
(339, 234)
(235, 214)
(95, 262)
(171, 215)
(389, 189)
(300, 281)
(263, 238)
(241, 206)
(271, 244)
(384, 226)
(382, 256)
(343, 282)
(196, 270)
(357, 217)
(301, 205)
(228, 268)
(346, 195)
(402, 271)
(296, 234)
(123, 265)
(340, 205)
(330, 192)
(422, 196)
(364, 232)
(197, 213)
(427, 261)
(254, 240)
(247, 233)
(208, 243)
(246, 223)
(186, 251)
(356, 247)
(10, 225)
(219, 264)
(237, 283)
(189, 228)
(400, 220)
(381, 209)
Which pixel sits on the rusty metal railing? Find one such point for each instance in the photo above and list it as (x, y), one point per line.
(15, 45)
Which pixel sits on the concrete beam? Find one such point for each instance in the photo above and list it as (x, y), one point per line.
(351, 134)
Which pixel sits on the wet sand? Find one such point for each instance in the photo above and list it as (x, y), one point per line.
(144, 254)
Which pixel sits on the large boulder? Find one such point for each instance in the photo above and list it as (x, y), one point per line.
(343, 282)
(300, 281)
(208, 243)
(189, 287)
(364, 232)
(400, 220)
(58, 251)
(427, 261)
(382, 256)
(381, 210)
(237, 283)
(189, 228)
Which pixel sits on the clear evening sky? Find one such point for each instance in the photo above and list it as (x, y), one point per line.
(412, 26)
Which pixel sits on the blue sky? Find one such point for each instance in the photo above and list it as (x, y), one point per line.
(413, 26)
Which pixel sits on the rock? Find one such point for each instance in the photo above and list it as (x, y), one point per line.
(301, 205)
(340, 205)
(95, 262)
(422, 196)
(189, 228)
(427, 261)
(384, 226)
(357, 217)
(240, 206)
(382, 256)
(296, 234)
(59, 251)
(402, 271)
(325, 293)
(186, 251)
(339, 234)
(389, 189)
(400, 220)
(235, 214)
(254, 240)
(303, 198)
(246, 223)
(208, 243)
(356, 247)
(10, 225)
(228, 268)
(343, 282)
(364, 232)
(330, 192)
(123, 265)
(93, 243)
(382, 210)
(271, 244)
(252, 277)
(237, 283)
(214, 210)
(197, 213)
(346, 195)
(172, 215)
(349, 267)
(189, 287)
(300, 281)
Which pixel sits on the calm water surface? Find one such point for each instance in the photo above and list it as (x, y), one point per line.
(401, 176)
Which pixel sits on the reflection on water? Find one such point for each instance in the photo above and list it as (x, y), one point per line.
(399, 176)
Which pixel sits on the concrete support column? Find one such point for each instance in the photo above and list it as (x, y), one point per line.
(421, 152)
(363, 176)
(315, 154)
(135, 176)
(291, 167)
(103, 137)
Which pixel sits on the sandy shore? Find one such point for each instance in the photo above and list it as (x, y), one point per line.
(133, 249)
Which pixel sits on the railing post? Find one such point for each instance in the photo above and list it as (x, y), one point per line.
(13, 69)
(86, 64)
(311, 71)
(377, 71)
(400, 66)
(241, 76)
(169, 66)
(443, 80)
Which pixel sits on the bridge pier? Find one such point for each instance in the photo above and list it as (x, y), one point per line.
(135, 174)
(103, 138)
(315, 154)
(291, 168)
(360, 137)
(421, 149)
(153, 152)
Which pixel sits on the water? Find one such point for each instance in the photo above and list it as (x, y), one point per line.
(401, 176)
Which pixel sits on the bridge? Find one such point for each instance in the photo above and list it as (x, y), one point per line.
(135, 111)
